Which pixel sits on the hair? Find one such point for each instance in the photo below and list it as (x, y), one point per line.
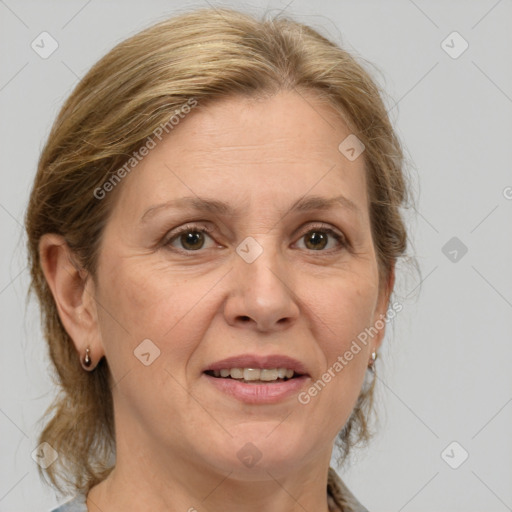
(206, 54)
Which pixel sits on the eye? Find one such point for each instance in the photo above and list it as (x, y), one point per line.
(319, 238)
(192, 238)
(189, 238)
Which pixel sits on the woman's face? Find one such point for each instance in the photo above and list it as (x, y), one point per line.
(215, 250)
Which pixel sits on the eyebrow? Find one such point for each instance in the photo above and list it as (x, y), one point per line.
(216, 207)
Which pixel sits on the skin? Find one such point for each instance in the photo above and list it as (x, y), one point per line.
(178, 436)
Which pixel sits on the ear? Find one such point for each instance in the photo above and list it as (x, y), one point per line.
(74, 295)
(386, 287)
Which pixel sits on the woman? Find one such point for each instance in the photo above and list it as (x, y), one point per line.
(213, 232)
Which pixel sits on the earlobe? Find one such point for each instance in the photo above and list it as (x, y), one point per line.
(74, 300)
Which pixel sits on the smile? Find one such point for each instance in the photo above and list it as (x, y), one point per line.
(256, 391)
(254, 374)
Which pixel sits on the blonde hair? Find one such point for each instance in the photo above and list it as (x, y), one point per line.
(205, 54)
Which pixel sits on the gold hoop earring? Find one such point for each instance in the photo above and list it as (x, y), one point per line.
(86, 363)
(371, 362)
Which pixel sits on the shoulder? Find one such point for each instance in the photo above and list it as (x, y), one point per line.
(342, 497)
(75, 504)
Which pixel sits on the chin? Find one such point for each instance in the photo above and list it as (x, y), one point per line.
(259, 453)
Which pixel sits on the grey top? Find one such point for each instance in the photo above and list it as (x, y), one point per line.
(340, 498)
(76, 504)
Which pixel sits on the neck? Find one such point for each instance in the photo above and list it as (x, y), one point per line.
(174, 478)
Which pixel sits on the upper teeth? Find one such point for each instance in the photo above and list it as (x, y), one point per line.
(255, 373)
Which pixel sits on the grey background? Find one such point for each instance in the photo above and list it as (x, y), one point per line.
(444, 372)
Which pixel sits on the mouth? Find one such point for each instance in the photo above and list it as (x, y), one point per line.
(258, 379)
(254, 375)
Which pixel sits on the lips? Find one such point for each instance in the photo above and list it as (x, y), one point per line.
(261, 362)
(261, 391)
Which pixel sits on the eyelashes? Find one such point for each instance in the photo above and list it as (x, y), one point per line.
(188, 229)
(192, 238)
(325, 233)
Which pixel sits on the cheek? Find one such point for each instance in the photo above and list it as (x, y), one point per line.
(143, 301)
(344, 307)
(343, 311)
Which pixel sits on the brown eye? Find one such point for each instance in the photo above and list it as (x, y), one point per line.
(316, 240)
(192, 240)
(319, 239)
(188, 238)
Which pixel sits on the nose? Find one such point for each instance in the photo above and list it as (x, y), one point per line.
(261, 294)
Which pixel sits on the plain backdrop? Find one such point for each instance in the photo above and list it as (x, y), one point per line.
(444, 378)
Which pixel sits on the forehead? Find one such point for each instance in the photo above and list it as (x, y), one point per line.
(248, 150)
(242, 125)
